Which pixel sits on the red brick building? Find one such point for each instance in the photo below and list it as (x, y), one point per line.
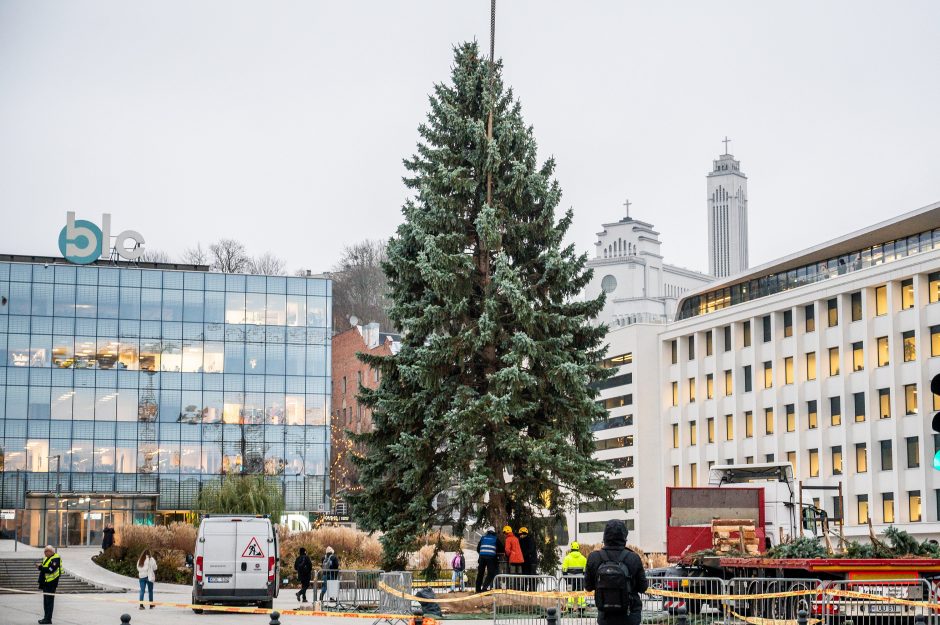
(348, 415)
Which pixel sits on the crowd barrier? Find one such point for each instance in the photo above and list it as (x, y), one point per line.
(349, 590)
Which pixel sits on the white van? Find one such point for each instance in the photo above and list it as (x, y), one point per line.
(236, 561)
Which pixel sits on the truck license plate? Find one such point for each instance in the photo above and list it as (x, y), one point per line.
(884, 608)
(218, 579)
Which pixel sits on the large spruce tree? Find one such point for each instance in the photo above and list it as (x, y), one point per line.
(488, 401)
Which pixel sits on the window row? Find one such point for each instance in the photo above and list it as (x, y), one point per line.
(607, 506)
(165, 431)
(186, 356)
(62, 300)
(85, 456)
(110, 404)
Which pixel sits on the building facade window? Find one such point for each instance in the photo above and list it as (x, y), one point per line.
(933, 291)
(747, 378)
(856, 306)
(812, 419)
(913, 451)
(746, 333)
(881, 300)
(768, 421)
(858, 356)
(858, 399)
(910, 399)
(693, 474)
(748, 424)
(768, 375)
(711, 429)
(727, 341)
(910, 346)
(766, 327)
(887, 507)
(791, 458)
(729, 388)
(935, 340)
(861, 458)
(907, 294)
(835, 410)
(884, 356)
(788, 370)
(913, 505)
(833, 361)
(675, 436)
(811, 365)
(674, 350)
(887, 455)
(691, 390)
(809, 318)
(787, 323)
(691, 340)
(693, 433)
(884, 403)
(709, 344)
(832, 312)
(729, 427)
(675, 475)
(814, 463)
(836, 453)
(675, 394)
(790, 413)
(862, 502)
(709, 386)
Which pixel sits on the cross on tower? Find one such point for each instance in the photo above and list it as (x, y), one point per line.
(627, 204)
(726, 141)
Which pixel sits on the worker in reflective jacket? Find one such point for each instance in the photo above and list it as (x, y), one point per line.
(572, 570)
(49, 570)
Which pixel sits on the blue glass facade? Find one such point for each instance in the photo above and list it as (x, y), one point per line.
(143, 384)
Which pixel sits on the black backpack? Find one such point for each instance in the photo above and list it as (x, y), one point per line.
(614, 584)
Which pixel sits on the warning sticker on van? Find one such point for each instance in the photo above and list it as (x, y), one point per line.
(253, 550)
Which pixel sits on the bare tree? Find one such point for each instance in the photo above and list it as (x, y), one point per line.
(267, 265)
(359, 285)
(154, 256)
(195, 255)
(229, 256)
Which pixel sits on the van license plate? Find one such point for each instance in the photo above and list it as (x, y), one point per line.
(884, 608)
(218, 579)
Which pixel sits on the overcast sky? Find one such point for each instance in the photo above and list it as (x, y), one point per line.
(284, 124)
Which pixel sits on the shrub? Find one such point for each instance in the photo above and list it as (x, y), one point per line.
(355, 549)
(169, 544)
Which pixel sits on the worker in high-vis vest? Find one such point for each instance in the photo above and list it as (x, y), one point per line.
(49, 570)
(572, 570)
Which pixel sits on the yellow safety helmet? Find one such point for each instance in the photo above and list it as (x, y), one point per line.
(575, 546)
(523, 530)
(507, 530)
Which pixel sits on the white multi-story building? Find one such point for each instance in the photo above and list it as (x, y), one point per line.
(727, 217)
(628, 266)
(821, 359)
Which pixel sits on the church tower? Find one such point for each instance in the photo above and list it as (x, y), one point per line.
(727, 216)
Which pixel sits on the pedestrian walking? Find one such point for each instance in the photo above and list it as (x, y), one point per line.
(616, 576)
(329, 569)
(459, 565)
(49, 570)
(107, 539)
(530, 557)
(513, 552)
(304, 567)
(572, 569)
(486, 567)
(146, 576)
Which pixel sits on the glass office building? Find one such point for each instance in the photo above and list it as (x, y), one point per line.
(132, 387)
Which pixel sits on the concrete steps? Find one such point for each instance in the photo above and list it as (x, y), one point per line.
(21, 574)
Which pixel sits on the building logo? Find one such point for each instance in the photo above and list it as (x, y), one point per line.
(82, 242)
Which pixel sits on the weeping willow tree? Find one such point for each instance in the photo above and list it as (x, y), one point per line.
(243, 494)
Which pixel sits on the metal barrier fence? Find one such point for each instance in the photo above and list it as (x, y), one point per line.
(832, 608)
(349, 590)
(389, 603)
(813, 596)
(521, 610)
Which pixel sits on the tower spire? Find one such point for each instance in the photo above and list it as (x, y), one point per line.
(726, 141)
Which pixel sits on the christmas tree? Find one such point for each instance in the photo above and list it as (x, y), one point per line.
(483, 416)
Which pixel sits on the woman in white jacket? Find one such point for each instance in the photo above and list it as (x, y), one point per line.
(146, 575)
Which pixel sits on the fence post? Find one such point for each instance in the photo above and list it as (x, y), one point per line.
(551, 616)
(801, 617)
(275, 618)
(683, 616)
(125, 619)
(419, 616)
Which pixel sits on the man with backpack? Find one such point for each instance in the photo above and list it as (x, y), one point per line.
(616, 576)
(459, 566)
(304, 567)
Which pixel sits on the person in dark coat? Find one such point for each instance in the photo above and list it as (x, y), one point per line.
(530, 556)
(304, 567)
(108, 539)
(49, 570)
(615, 549)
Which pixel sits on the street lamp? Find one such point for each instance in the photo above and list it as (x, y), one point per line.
(58, 493)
